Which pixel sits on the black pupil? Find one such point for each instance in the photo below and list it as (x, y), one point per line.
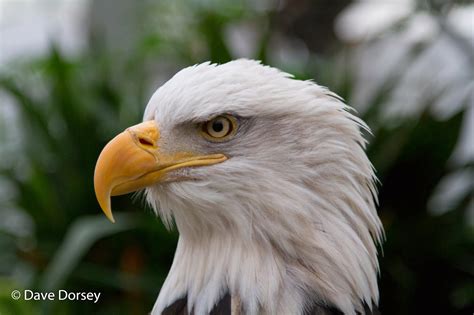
(217, 126)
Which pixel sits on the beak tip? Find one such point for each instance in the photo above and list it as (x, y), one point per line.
(104, 203)
(108, 213)
(110, 217)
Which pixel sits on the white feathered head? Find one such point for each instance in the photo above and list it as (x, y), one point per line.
(269, 186)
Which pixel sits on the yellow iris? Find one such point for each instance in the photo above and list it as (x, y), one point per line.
(220, 128)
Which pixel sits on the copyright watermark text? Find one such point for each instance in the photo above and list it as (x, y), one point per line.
(60, 295)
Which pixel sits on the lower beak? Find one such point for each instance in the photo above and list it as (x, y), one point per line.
(132, 161)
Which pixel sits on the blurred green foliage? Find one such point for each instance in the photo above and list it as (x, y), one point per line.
(68, 108)
(72, 247)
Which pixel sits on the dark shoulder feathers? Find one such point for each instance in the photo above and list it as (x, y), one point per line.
(224, 307)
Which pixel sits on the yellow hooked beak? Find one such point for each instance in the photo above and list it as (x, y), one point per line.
(132, 160)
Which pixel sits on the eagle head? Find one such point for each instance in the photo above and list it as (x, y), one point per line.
(268, 184)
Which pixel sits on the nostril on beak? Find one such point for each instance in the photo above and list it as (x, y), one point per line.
(145, 142)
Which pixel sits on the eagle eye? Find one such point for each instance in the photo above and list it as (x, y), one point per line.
(219, 128)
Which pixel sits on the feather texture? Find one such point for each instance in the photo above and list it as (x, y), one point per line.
(289, 220)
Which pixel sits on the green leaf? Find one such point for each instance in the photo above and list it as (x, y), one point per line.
(82, 234)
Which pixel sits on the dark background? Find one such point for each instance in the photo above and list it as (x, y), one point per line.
(406, 66)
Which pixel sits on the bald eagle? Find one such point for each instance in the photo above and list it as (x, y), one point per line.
(268, 184)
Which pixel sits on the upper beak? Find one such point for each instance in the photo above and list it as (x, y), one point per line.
(132, 160)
